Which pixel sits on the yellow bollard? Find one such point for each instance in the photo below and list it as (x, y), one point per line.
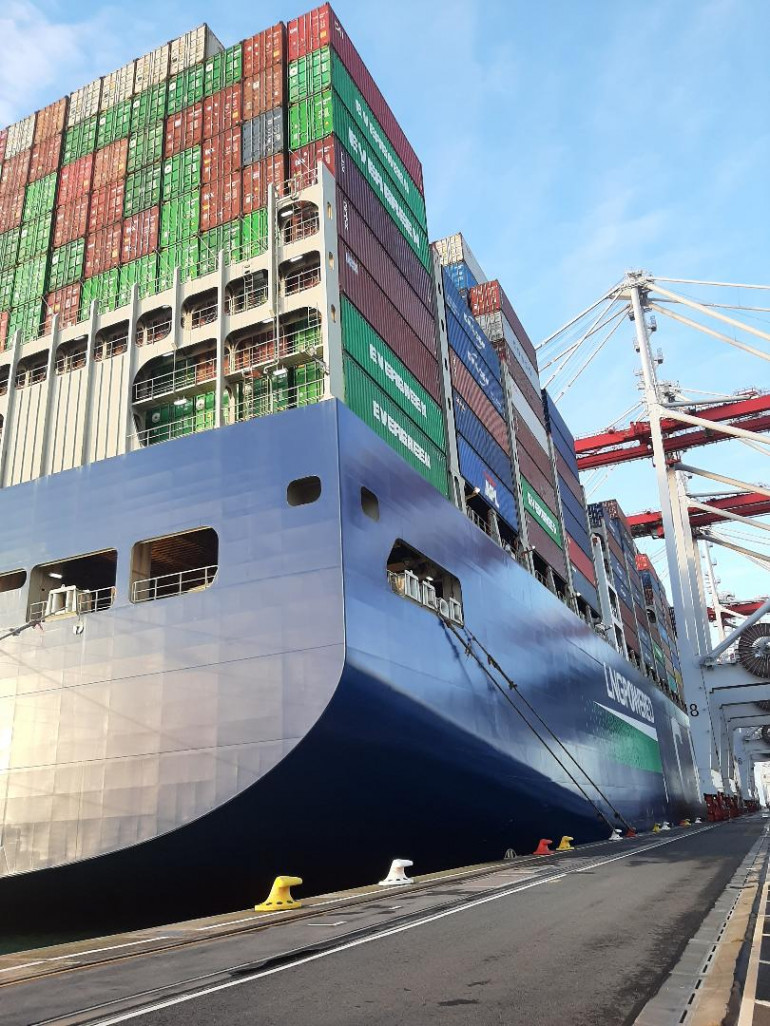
(280, 895)
(656, 829)
(564, 844)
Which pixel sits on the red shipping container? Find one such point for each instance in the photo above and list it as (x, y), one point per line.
(140, 234)
(644, 563)
(519, 375)
(45, 157)
(11, 208)
(222, 110)
(103, 250)
(4, 319)
(258, 177)
(546, 547)
(478, 402)
(75, 180)
(64, 302)
(110, 163)
(106, 206)
(15, 173)
(490, 296)
(304, 161)
(263, 92)
(581, 561)
(321, 27)
(71, 221)
(50, 120)
(540, 481)
(221, 155)
(183, 130)
(365, 248)
(264, 50)
(3, 143)
(378, 308)
(220, 201)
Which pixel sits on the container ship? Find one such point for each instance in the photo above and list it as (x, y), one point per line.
(298, 571)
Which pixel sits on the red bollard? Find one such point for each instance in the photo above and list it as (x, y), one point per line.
(542, 848)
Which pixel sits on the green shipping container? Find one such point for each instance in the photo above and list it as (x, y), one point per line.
(184, 255)
(142, 189)
(66, 264)
(182, 173)
(39, 198)
(146, 147)
(233, 64)
(9, 248)
(309, 383)
(310, 74)
(142, 272)
(226, 237)
(310, 119)
(307, 337)
(113, 123)
(80, 140)
(148, 107)
(185, 89)
(179, 219)
(371, 404)
(382, 365)
(103, 288)
(26, 319)
(6, 288)
(35, 237)
(29, 280)
(540, 512)
(223, 69)
(254, 233)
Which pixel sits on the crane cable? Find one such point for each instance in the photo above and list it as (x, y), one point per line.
(467, 646)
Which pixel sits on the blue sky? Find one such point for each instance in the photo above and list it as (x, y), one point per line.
(569, 141)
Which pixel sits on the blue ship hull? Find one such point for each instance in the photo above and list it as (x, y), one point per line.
(393, 740)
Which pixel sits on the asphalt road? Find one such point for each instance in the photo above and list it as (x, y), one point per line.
(588, 947)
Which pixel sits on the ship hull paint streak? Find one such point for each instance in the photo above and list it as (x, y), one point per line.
(393, 739)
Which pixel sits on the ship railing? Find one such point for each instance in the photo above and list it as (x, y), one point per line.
(307, 279)
(150, 333)
(202, 421)
(172, 381)
(305, 339)
(87, 600)
(251, 407)
(298, 230)
(477, 520)
(299, 180)
(199, 316)
(167, 585)
(111, 347)
(31, 375)
(248, 299)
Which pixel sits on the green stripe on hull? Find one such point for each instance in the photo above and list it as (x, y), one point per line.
(625, 744)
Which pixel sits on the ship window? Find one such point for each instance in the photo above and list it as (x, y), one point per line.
(370, 504)
(414, 576)
(4, 375)
(303, 491)
(174, 564)
(76, 585)
(13, 580)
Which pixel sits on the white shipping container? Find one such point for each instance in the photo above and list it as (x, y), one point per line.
(454, 250)
(118, 86)
(193, 47)
(495, 326)
(527, 414)
(84, 102)
(20, 136)
(152, 68)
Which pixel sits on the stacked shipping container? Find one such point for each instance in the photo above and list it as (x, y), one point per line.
(659, 648)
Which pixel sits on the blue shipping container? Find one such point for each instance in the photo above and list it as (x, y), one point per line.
(473, 431)
(623, 590)
(454, 302)
(571, 503)
(567, 452)
(475, 365)
(585, 589)
(491, 489)
(577, 532)
(461, 276)
(554, 420)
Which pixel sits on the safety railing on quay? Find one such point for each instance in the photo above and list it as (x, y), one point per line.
(168, 585)
(78, 601)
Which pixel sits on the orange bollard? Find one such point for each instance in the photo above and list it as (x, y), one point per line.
(542, 848)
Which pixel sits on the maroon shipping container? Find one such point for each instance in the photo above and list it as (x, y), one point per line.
(365, 247)
(220, 201)
(15, 173)
(221, 155)
(106, 206)
(75, 180)
(110, 163)
(11, 208)
(71, 221)
(3, 144)
(258, 176)
(353, 272)
(50, 120)
(305, 159)
(478, 402)
(45, 157)
(183, 130)
(541, 482)
(568, 474)
(140, 234)
(263, 91)
(264, 49)
(102, 250)
(66, 303)
(527, 441)
(4, 319)
(546, 547)
(222, 110)
(490, 296)
(360, 194)
(321, 27)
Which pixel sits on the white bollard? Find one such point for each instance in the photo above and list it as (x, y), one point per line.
(698, 819)
(665, 825)
(396, 874)
(616, 835)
